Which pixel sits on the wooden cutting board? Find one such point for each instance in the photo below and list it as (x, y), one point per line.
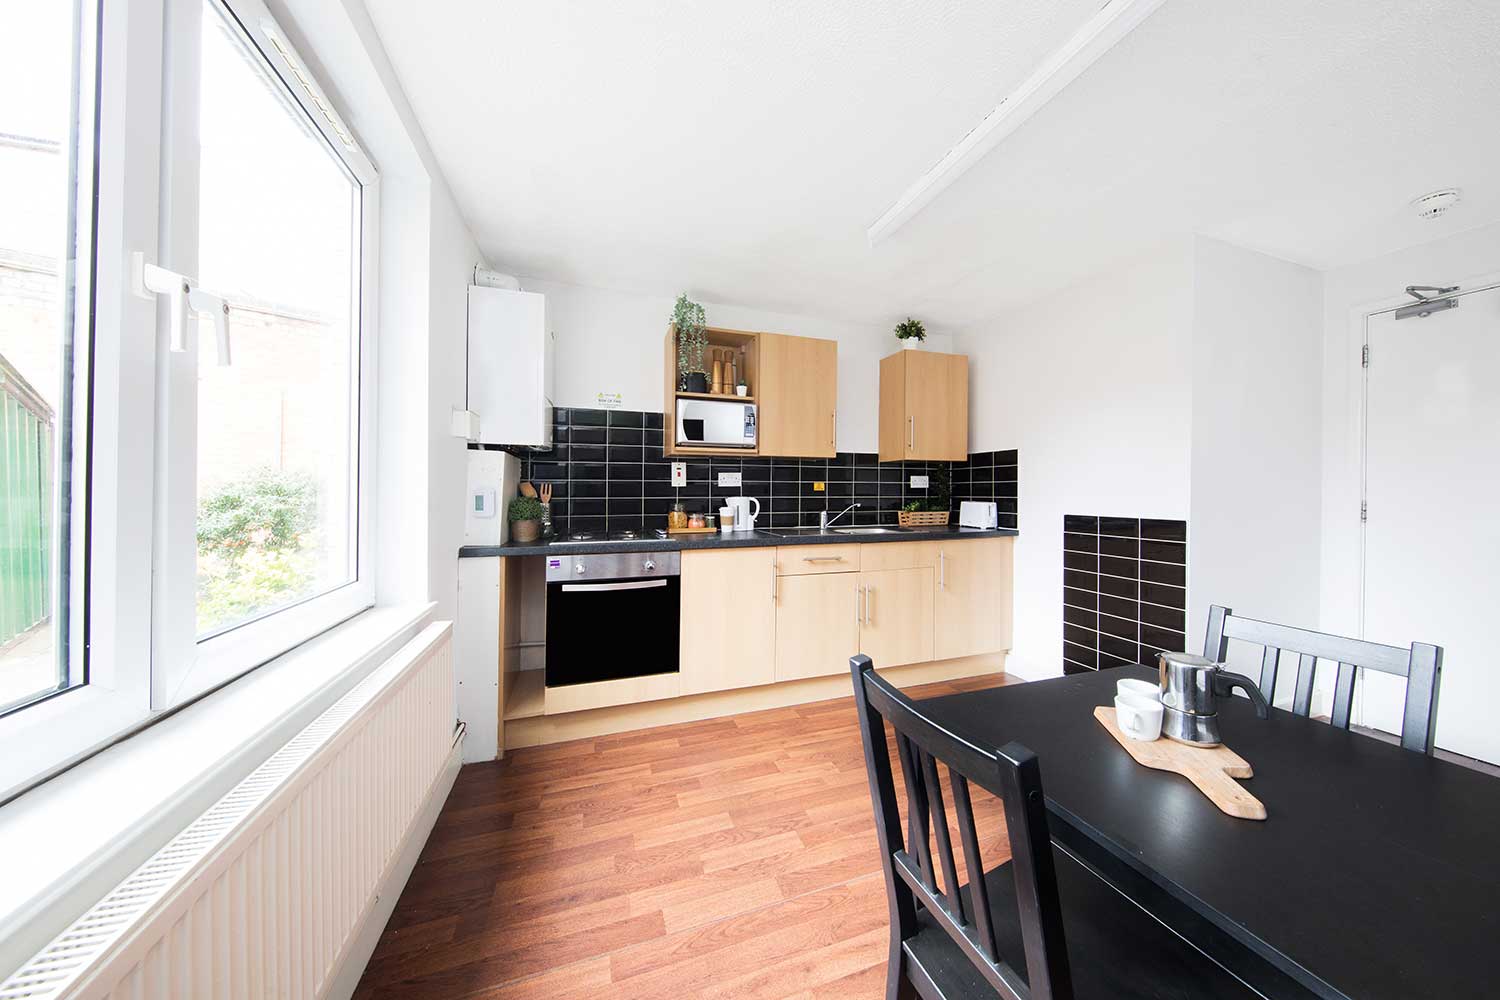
(1211, 769)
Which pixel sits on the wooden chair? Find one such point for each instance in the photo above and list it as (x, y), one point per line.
(1075, 936)
(1421, 665)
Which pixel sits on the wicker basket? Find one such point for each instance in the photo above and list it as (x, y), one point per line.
(918, 518)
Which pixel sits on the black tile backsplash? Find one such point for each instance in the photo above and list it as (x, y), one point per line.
(609, 473)
(1123, 590)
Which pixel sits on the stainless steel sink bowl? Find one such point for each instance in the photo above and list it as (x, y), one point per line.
(867, 531)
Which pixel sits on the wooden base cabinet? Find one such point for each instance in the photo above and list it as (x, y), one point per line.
(896, 616)
(972, 612)
(728, 628)
(817, 624)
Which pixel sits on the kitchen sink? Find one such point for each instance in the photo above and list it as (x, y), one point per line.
(868, 531)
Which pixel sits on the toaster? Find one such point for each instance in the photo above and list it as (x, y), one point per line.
(978, 514)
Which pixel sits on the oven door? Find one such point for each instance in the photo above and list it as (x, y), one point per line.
(606, 630)
(714, 423)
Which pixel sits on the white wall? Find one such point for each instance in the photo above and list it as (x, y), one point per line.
(1349, 292)
(1254, 516)
(613, 342)
(453, 256)
(426, 256)
(1093, 386)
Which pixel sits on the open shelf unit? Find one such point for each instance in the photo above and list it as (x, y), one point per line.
(744, 346)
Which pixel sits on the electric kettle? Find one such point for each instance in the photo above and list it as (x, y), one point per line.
(1190, 689)
(744, 519)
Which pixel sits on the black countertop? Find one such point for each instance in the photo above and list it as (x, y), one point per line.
(734, 540)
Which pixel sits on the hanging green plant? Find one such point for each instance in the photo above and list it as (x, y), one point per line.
(691, 324)
(911, 329)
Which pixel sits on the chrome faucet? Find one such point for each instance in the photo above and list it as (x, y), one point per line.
(824, 520)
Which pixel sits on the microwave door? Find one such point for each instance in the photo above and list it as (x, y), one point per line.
(717, 424)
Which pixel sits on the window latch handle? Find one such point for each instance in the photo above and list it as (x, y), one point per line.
(218, 310)
(183, 298)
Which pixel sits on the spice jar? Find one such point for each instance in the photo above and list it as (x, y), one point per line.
(695, 520)
(677, 517)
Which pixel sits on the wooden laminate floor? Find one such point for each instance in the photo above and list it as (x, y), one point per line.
(734, 857)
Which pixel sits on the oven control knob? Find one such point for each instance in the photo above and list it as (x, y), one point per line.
(650, 566)
(578, 567)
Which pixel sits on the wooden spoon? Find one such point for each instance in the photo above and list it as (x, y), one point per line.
(527, 490)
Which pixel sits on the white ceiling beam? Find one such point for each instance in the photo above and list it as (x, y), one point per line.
(1115, 20)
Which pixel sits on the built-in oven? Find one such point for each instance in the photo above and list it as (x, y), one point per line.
(716, 423)
(612, 616)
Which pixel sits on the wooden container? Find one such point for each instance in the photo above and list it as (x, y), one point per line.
(919, 518)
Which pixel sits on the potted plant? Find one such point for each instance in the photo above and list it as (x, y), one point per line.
(935, 508)
(911, 333)
(691, 325)
(525, 516)
(742, 388)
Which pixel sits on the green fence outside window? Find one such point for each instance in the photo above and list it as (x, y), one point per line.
(26, 429)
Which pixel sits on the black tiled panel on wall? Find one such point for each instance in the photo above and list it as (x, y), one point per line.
(1124, 590)
(608, 473)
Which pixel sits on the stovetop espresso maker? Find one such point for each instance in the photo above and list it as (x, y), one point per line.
(1190, 689)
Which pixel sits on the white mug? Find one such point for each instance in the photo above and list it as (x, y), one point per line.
(726, 520)
(1138, 718)
(1149, 690)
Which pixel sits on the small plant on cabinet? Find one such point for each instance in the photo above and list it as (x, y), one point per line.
(691, 324)
(910, 332)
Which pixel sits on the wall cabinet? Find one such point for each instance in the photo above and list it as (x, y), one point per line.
(728, 629)
(510, 364)
(924, 407)
(798, 396)
(972, 601)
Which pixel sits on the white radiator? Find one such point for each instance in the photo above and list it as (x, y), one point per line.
(263, 894)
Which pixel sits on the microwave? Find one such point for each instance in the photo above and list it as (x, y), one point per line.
(715, 423)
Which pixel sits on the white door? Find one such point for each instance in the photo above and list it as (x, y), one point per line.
(1432, 539)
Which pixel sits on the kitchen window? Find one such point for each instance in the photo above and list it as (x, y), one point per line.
(186, 394)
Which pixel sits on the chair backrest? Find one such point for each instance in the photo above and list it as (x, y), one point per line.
(1421, 665)
(1011, 773)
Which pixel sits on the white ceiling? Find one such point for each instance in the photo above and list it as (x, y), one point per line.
(740, 151)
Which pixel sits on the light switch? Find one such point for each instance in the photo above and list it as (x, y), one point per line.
(482, 503)
(679, 473)
(919, 482)
(729, 479)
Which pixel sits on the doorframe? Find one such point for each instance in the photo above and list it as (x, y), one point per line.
(1359, 378)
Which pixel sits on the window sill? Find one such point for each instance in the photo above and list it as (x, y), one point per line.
(69, 840)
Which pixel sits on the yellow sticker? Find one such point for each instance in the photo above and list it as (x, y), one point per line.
(817, 487)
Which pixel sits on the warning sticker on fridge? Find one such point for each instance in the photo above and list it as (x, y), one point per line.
(609, 400)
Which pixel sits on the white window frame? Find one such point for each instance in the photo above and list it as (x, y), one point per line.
(109, 583)
(183, 665)
(126, 667)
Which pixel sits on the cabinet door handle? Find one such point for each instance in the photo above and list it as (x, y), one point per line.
(833, 427)
(911, 432)
(869, 592)
(856, 607)
(773, 582)
(818, 559)
(942, 570)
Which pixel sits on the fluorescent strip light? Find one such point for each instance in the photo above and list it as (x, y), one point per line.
(1115, 20)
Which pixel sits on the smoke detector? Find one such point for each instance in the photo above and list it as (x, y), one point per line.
(1435, 203)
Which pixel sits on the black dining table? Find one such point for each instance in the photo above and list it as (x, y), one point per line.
(1376, 873)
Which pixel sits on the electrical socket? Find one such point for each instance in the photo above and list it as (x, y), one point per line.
(679, 473)
(729, 478)
(919, 482)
